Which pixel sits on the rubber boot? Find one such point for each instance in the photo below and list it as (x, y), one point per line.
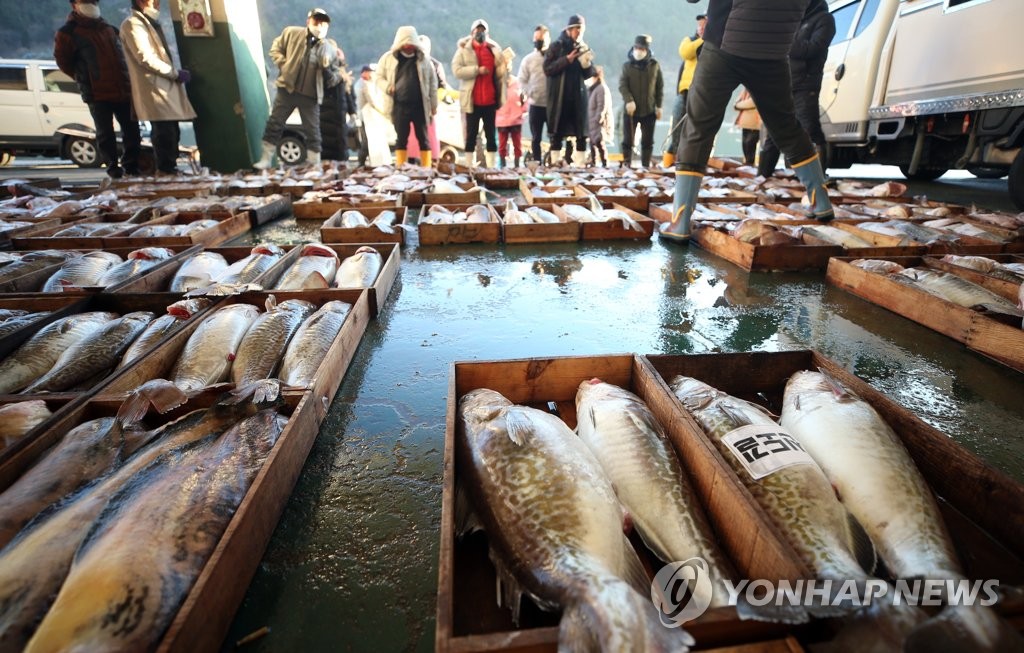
(627, 157)
(470, 160)
(501, 163)
(687, 187)
(266, 158)
(313, 158)
(490, 158)
(811, 175)
(667, 159)
(579, 159)
(401, 158)
(519, 162)
(645, 157)
(427, 159)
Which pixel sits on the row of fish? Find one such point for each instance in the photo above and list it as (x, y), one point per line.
(79, 269)
(384, 221)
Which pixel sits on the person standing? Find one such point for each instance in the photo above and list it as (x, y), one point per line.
(744, 43)
(689, 49)
(336, 107)
(301, 54)
(158, 88)
(535, 85)
(600, 117)
(407, 81)
(749, 122)
(481, 69)
(373, 125)
(568, 62)
(806, 65)
(88, 50)
(509, 118)
(642, 88)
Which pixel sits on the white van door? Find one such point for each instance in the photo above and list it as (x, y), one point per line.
(61, 103)
(18, 103)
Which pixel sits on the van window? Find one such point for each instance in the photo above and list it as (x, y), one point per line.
(13, 79)
(868, 15)
(56, 81)
(844, 20)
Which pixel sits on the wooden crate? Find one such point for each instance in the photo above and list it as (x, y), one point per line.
(1006, 289)
(500, 180)
(332, 232)
(470, 195)
(227, 227)
(276, 208)
(378, 291)
(57, 304)
(580, 195)
(614, 229)
(637, 201)
(468, 618)
(466, 232)
(158, 279)
(881, 244)
(762, 258)
(160, 362)
(44, 239)
(320, 209)
(985, 335)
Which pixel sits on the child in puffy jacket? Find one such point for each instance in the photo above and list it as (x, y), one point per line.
(509, 118)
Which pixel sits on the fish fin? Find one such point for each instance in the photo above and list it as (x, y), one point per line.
(160, 393)
(836, 386)
(633, 571)
(784, 614)
(315, 280)
(517, 424)
(880, 626)
(261, 392)
(271, 303)
(964, 628)
(466, 519)
(861, 546)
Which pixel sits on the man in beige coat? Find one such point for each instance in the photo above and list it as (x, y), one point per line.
(158, 88)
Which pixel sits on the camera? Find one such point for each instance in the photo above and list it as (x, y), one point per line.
(582, 48)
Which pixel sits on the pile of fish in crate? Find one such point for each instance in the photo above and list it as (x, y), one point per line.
(157, 402)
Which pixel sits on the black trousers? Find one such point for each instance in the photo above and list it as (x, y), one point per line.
(404, 116)
(629, 124)
(165, 135)
(808, 114)
(473, 119)
(749, 140)
(717, 76)
(538, 118)
(103, 114)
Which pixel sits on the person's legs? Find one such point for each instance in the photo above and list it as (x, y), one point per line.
(503, 134)
(472, 129)
(750, 139)
(809, 116)
(678, 111)
(769, 157)
(516, 131)
(164, 135)
(487, 114)
(538, 116)
(131, 137)
(309, 113)
(628, 132)
(647, 139)
(401, 118)
(106, 141)
(283, 107)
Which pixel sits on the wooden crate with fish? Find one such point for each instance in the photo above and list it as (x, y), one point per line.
(321, 207)
(373, 266)
(943, 299)
(545, 226)
(86, 233)
(609, 226)
(335, 231)
(468, 616)
(499, 179)
(764, 257)
(548, 196)
(184, 230)
(451, 223)
(902, 480)
(443, 191)
(308, 339)
(630, 198)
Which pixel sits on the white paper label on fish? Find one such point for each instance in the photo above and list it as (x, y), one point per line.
(763, 449)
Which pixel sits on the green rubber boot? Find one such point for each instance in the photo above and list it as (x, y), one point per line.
(687, 187)
(811, 175)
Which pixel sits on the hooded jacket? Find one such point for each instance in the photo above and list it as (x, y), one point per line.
(387, 68)
(290, 54)
(753, 29)
(558, 68)
(156, 92)
(89, 51)
(689, 49)
(466, 69)
(810, 47)
(641, 82)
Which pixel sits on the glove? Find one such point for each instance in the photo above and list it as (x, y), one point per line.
(587, 58)
(657, 113)
(184, 76)
(631, 107)
(482, 70)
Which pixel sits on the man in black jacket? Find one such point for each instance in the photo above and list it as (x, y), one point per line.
(642, 88)
(806, 64)
(567, 63)
(745, 42)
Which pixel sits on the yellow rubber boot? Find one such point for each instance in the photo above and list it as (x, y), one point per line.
(401, 156)
(667, 160)
(426, 158)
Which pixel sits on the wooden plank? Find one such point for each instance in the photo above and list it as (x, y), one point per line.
(566, 231)
(580, 195)
(332, 231)
(466, 232)
(226, 228)
(616, 229)
(757, 257)
(318, 209)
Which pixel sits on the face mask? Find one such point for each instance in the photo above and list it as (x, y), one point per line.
(152, 13)
(408, 52)
(480, 37)
(539, 44)
(319, 31)
(88, 10)
(639, 54)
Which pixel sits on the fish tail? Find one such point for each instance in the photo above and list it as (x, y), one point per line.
(260, 392)
(964, 628)
(876, 628)
(159, 393)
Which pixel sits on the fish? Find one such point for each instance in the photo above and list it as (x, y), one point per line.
(514, 216)
(878, 482)
(195, 226)
(198, 271)
(177, 314)
(137, 262)
(38, 355)
(309, 346)
(266, 340)
(542, 216)
(35, 261)
(968, 229)
(579, 213)
(95, 354)
(985, 266)
(359, 270)
(385, 221)
(155, 231)
(554, 527)
(877, 265)
(632, 448)
(210, 350)
(478, 213)
(315, 268)
(353, 219)
(8, 313)
(245, 270)
(82, 271)
(18, 322)
(957, 290)
(17, 419)
(92, 230)
(836, 236)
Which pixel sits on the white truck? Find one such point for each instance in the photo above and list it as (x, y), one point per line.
(928, 85)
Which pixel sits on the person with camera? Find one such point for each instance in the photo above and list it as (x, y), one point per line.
(481, 69)
(568, 62)
(642, 89)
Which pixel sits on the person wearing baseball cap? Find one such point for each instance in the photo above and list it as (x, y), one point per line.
(567, 64)
(482, 72)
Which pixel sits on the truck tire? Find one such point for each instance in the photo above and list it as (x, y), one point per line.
(988, 173)
(1015, 180)
(291, 150)
(83, 152)
(923, 174)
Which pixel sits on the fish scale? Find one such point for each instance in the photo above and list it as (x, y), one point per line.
(36, 356)
(266, 340)
(301, 274)
(210, 350)
(82, 271)
(309, 346)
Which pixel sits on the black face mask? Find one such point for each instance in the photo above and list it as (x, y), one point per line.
(480, 37)
(539, 44)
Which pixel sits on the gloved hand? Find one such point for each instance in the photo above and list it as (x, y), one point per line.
(482, 70)
(184, 76)
(657, 113)
(587, 58)
(631, 107)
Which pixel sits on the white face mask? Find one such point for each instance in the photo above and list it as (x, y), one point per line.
(152, 13)
(88, 10)
(320, 31)
(639, 54)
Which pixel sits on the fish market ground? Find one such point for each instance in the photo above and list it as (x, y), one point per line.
(353, 563)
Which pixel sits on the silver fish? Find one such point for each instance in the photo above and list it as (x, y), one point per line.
(836, 236)
(137, 262)
(315, 268)
(18, 322)
(35, 261)
(309, 346)
(82, 271)
(878, 266)
(245, 270)
(198, 271)
(359, 270)
(956, 289)
(207, 356)
(266, 340)
(37, 355)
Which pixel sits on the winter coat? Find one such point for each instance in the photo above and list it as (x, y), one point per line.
(748, 117)
(387, 68)
(689, 48)
(600, 117)
(156, 92)
(515, 107)
(533, 80)
(754, 29)
(466, 68)
(641, 82)
(290, 54)
(565, 77)
(89, 51)
(810, 47)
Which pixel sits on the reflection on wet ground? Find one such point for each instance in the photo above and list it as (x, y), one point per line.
(353, 562)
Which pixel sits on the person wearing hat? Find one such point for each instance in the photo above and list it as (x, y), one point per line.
(745, 43)
(407, 82)
(481, 70)
(568, 62)
(510, 116)
(301, 54)
(689, 49)
(158, 87)
(88, 50)
(534, 83)
(642, 88)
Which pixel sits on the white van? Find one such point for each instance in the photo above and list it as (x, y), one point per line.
(37, 100)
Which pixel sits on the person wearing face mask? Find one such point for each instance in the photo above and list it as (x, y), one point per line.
(408, 83)
(642, 88)
(158, 87)
(87, 49)
(301, 54)
(482, 74)
(535, 85)
(568, 62)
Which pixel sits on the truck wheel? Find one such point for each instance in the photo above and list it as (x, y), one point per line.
(988, 173)
(1016, 180)
(923, 174)
(83, 152)
(291, 151)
